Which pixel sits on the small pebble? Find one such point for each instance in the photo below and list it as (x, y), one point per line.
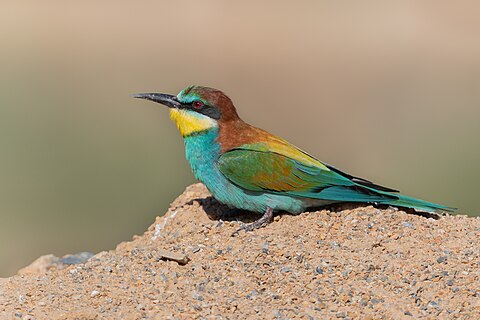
(94, 293)
(375, 300)
(252, 294)
(78, 258)
(442, 259)
(265, 248)
(407, 224)
(334, 245)
(432, 304)
(195, 249)
(285, 269)
(197, 296)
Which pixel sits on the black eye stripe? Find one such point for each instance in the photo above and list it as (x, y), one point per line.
(209, 111)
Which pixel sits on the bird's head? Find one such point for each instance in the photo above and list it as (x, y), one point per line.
(195, 108)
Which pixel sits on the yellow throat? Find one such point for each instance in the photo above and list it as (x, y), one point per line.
(189, 122)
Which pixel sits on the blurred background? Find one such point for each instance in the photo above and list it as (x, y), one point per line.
(389, 91)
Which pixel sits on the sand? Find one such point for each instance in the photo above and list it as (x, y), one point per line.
(344, 262)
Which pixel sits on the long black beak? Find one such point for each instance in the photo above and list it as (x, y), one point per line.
(165, 99)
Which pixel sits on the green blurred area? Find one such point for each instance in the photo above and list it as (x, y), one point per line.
(387, 91)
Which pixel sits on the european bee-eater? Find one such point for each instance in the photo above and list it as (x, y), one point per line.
(248, 168)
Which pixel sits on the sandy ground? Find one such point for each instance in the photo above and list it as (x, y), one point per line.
(349, 262)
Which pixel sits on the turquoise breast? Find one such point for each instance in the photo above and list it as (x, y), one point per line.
(202, 151)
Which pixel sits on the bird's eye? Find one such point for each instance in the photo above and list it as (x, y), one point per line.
(197, 104)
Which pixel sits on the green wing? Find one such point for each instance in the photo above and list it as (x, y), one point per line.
(287, 170)
(278, 167)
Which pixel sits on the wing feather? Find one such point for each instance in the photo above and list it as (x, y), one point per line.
(257, 170)
(285, 169)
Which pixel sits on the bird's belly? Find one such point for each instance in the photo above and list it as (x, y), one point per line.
(228, 193)
(202, 152)
(236, 197)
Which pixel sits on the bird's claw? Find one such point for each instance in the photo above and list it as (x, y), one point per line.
(262, 222)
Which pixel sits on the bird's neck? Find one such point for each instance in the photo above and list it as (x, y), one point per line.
(202, 150)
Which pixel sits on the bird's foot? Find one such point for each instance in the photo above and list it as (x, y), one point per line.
(263, 221)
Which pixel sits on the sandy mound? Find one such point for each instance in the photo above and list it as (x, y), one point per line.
(358, 262)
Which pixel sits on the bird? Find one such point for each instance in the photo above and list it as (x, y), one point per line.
(247, 168)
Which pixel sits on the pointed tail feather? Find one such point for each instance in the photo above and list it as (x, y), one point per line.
(361, 193)
(420, 205)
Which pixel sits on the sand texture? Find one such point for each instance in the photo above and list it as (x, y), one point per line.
(348, 262)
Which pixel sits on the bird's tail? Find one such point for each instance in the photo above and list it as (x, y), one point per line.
(379, 195)
(417, 204)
